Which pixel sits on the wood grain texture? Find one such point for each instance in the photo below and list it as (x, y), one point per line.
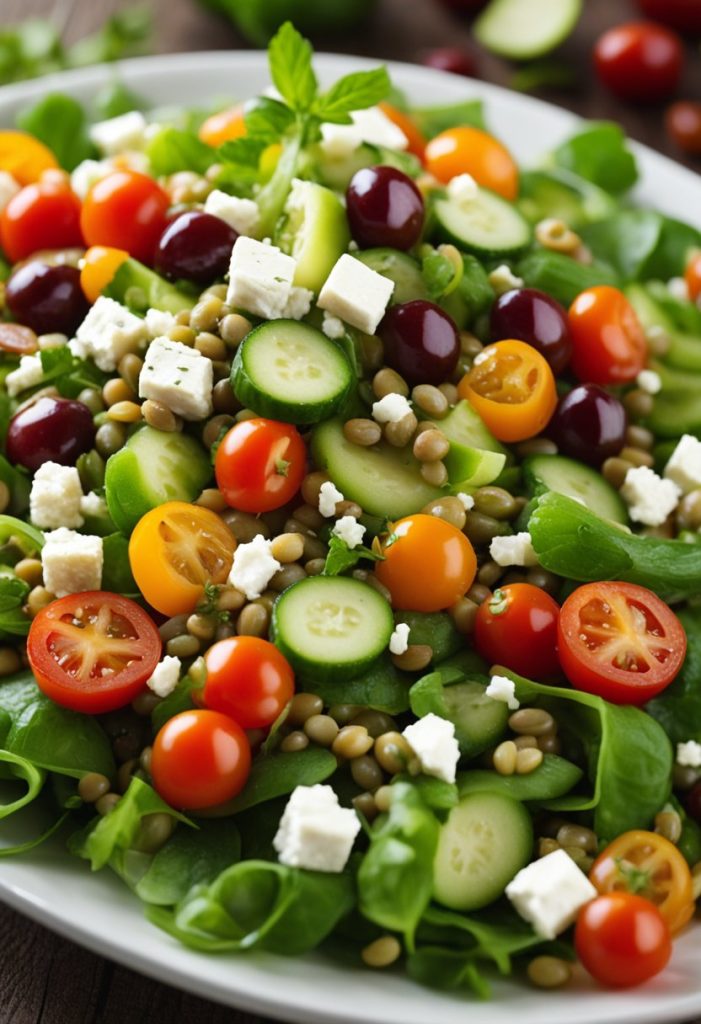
(43, 978)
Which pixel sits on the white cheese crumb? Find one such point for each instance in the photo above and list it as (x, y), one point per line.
(649, 381)
(315, 832)
(678, 289)
(158, 322)
(433, 741)
(356, 294)
(53, 340)
(108, 332)
(349, 530)
(391, 409)
(254, 567)
(515, 550)
(399, 641)
(119, 133)
(165, 676)
(72, 562)
(466, 500)
(333, 327)
(27, 375)
(503, 689)
(329, 497)
(56, 496)
(93, 504)
(650, 499)
(684, 465)
(338, 141)
(463, 189)
(689, 754)
(503, 280)
(242, 215)
(550, 892)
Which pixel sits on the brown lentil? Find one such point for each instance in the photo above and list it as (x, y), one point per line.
(688, 514)
(488, 573)
(532, 721)
(185, 646)
(581, 859)
(479, 593)
(383, 798)
(234, 328)
(639, 437)
(669, 825)
(348, 508)
(543, 579)
(286, 576)
(431, 445)
(313, 548)
(182, 318)
(448, 508)
(130, 366)
(528, 760)
(110, 437)
(614, 470)
(470, 345)
(577, 835)
(362, 431)
(93, 400)
(154, 832)
(214, 428)
(243, 415)
(124, 412)
(504, 758)
(382, 952)
(201, 626)
(392, 752)
(536, 446)
(315, 566)
(400, 433)
(549, 972)
(287, 547)
(365, 804)
(464, 613)
(450, 392)
(526, 742)
(430, 400)
(311, 487)
(321, 729)
(389, 382)
(38, 598)
(550, 743)
(414, 658)
(245, 526)
(107, 803)
(92, 786)
(225, 630)
(212, 499)
(547, 845)
(10, 661)
(376, 722)
(172, 627)
(294, 741)
(144, 702)
(495, 502)
(552, 233)
(253, 620)
(352, 741)
(210, 345)
(116, 391)
(637, 456)
(159, 416)
(29, 570)
(344, 713)
(638, 403)
(230, 600)
(223, 398)
(205, 314)
(480, 529)
(124, 774)
(310, 516)
(434, 473)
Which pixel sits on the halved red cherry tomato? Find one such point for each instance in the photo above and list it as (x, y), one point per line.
(93, 652)
(620, 641)
(608, 339)
(200, 759)
(248, 679)
(417, 141)
(524, 611)
(692, 276)
(125, 210)
(467, 150)
(175, 550)
(648, 864)
(260, 465)
(44, 215)
(640, 60)
(98, 268)
(512, 388)
(24, 157)
(622, 939)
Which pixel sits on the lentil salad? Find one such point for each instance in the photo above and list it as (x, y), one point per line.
(480, 510)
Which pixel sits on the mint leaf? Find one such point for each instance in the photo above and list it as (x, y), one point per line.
(341, 557)
(352, 92)
(290, 59)
(267, 118)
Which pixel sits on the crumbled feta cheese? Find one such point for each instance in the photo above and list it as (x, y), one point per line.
(550, 892)
(372, 125)
(242, 215)
(515, 550)
(315, 832)
(349, 530)
(165, 676)
(356, 294)
(650, 499)
(8, 188)
(93, 504)
(684, 464)
(179, 377)
(119, 133)
(391, 409)
(72, 562)
(333, 327)
(329, 497)
(503, 280)
(108, 333)
(27, 375)
(254, 567)
(689, 754)
(433, 741)
(649, 381)
(260, 278)
(466, 500)
(503, 689)
(298, 303)
(55, 497)
(53, 340)
(678, 289)
(86, 174)
(463, 189)
(399, 641)
(158, 322)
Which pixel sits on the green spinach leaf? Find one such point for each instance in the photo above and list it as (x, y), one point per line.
(174, 149)
(600, 154)
(678, 708)
(59, 122)
(277, 774)
(189, 858)
(383, 687)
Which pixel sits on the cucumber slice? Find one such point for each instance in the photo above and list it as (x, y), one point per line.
(485, 842)
(315, 231)
(574, 480)
(385, 481)
(561, 276)
(526, 29)
(398, 267)
(472, 467)
(287, 370)
(331, 627)
(486, 226)
(463, 426)
(337, 171)
(479, 721)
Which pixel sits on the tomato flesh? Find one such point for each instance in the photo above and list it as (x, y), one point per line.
(527, 612)
(622, 939)
(248, 679)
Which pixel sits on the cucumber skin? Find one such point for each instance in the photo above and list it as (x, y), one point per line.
(611, 506)
(398, 267)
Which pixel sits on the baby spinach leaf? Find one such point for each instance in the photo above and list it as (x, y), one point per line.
(116, 570)
(23, 769)
(678, 708)
(553, 778)
(626, 241)
(599, 153)
(447, 970)
(433, 120)
(13, 594)
(116, 98)
(18, 486)
(274, 775)
(59, 122)
(189, 858)
(174, 149)
(383, 687)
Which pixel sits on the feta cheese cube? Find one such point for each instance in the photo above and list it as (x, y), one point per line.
(503, 280)
(649, 381)
(55, 497)
(678, 289)
(86, 174)
(463, 189)
(689, 754)
(333, 327)
(650, 499)
(165, 676)
(356, 294)
(242, 215)
(371, 125)
(53, 340)
(391, 409)
(179, 377)
(684, 465)
(72, 562)
(515, 550)
(433, 741)
(254, 567)
(550, 892)
(315, 832)
(158, 322)
(466, 500)
(93, 505)
(27, 375)
(107, 333)
(8, 188)
(329, 497)
(399, 641)
(260, 278)
(119, 133)
(504, 689)
(350, 531)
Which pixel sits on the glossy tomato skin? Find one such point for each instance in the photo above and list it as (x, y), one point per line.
(200, 759)
(467, 150)
(224, 126)
(683, 124)
(24, 157)
(692, 276)
(416, 139)
(44, 215)
(125, 210)
(619, 641)
(608, 339)
(260, 465)
(99, 266)
(248, 679)
(640, 61)
(521, 611)
(622, 940)
(684, 15)
(103, 630)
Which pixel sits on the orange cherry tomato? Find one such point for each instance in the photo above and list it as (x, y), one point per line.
(99, 266)
(692, 276)
(24, 157)
(200, 759)
(622, 939)
(260, 465)
(405, 122)
(512, 388)
(648, 864)
(223, 126)
(248, 679)
(125, 210)
(428, 564)
(467, 150)
(174, 550)
(608, 340)
(45, 215)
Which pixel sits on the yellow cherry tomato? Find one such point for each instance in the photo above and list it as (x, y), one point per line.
(466, 150)
(406, 123)
(99, 265)
(223, 126)
(24, 157)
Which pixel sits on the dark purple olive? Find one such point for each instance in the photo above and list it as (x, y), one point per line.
(421, 342)
(195, 246)
(384, 207)
(454, 59)
(50, 430)
(589, 424)
(47, 298)
(532, 316)
(693, 802)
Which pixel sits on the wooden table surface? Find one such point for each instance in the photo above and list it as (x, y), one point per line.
(45, 979)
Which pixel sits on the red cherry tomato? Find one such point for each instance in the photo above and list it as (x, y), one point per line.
(93, 652)
(620, 641)
(684, 15)
(609, 345)
(260, 465)
(622, 939)
(528, 613)
(683, 124)
(692, 276)
(45, 215)
(249, 680)
(640, 60)
(125, 210)
(200, 759)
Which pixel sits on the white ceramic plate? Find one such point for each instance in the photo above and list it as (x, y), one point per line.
(96, 910)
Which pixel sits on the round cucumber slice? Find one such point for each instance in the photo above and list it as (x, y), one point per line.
(575, 480)
(525, 29)
(486, 226)
(315, 231)
(331, 628)
(398, 267)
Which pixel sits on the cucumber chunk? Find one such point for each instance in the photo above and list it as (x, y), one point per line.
(463, 426)
(562, 277)
(331, 627)
(287, 370)
(685, 350)
(315, 231)
(398, 267)
(479, 721)
(525, 29)
(140, 288)
(486, 226)
(486, 840)
(574, 480)
(472, 467)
